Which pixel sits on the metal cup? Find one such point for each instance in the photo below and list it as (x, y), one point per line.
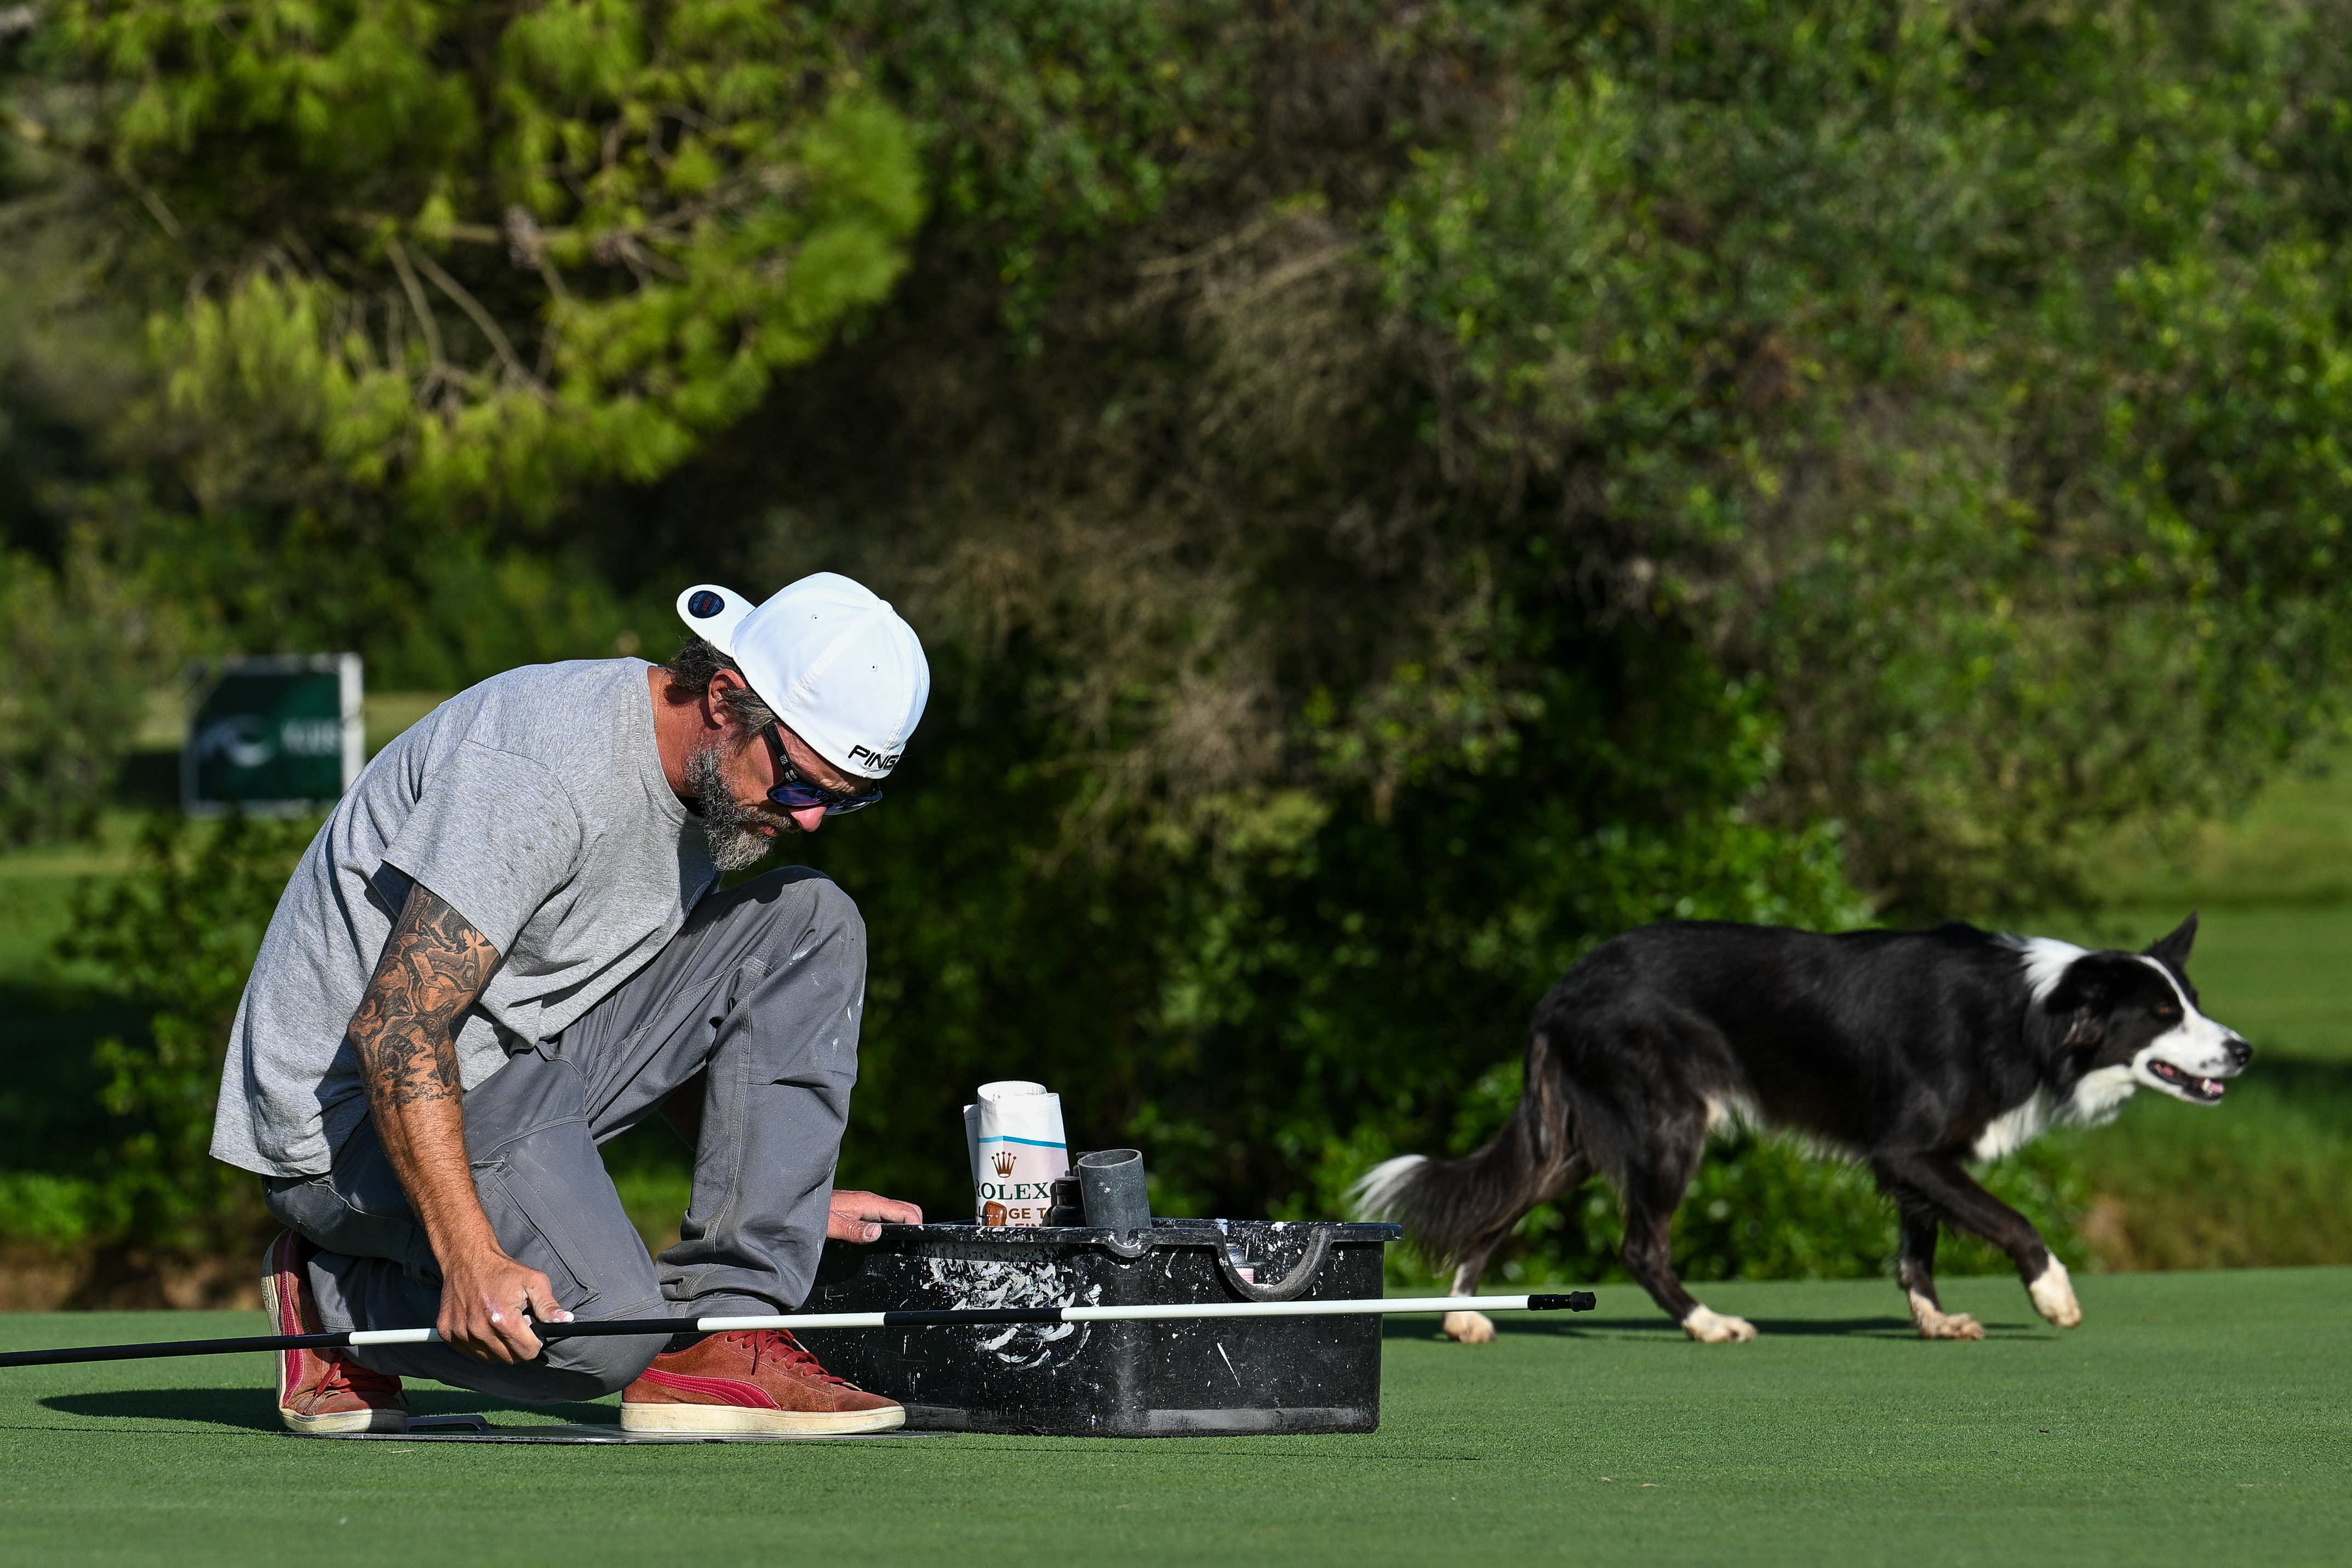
(1110, 1181)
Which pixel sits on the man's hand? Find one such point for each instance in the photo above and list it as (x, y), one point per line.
(853, 1214)
(487, 1301)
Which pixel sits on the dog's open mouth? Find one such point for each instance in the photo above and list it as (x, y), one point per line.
(2187, 1085)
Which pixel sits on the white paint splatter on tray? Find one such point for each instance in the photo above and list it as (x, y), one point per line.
(970, 1286)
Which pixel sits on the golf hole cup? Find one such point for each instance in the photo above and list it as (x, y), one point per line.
(1111, 1180)
(1018, 1150)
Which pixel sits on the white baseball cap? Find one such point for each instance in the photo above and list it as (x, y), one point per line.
(837, 664)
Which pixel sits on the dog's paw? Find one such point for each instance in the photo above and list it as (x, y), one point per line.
(1947, 1326)
(1468, 1328)
(1935, 1323)
(1710, 1328)
(2054, 1295)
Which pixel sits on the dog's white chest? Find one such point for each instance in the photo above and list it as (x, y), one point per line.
(2015, 1128)
(2101, 1095)
(2095, 1102)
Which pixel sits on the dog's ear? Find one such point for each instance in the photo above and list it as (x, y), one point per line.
(2080, 1001)
(2172, 952)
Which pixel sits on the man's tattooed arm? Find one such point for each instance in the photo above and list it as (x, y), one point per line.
(434, 966)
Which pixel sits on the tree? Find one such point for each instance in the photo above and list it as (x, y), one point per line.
(1396, 494)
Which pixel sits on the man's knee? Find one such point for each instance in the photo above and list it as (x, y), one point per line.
(608, 1364)
(833, 911)
(805, 912)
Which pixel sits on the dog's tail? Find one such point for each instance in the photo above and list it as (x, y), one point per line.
(1453, 1210)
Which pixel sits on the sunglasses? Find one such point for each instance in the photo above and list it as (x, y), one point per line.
(796, 793)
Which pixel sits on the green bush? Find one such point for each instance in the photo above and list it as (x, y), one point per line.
(54, 1211)
(180, 931)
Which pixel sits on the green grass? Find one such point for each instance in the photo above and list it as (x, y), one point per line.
(2292, 845)
(2195, 1418)
(37, 888)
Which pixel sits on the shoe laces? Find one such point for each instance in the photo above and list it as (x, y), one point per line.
(360, 1380)
(766, 1344)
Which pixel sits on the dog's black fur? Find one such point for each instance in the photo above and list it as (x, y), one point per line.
(1914, 1051)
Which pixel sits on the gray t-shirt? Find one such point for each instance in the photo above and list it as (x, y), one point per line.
(533, 804)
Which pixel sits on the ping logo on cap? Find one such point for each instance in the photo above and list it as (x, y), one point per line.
(705, 605)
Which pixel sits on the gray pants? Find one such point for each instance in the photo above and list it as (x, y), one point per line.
(764, 988)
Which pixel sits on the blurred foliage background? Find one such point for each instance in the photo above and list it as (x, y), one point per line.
(1394, 494)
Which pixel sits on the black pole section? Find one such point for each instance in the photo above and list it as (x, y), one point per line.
(1574, 1302)
(175, 1347)
(979, 1317)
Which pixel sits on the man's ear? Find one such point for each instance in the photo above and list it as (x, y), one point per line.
(718, 712)
(2172, 952)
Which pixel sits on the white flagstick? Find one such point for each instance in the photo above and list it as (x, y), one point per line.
(1574, 1302)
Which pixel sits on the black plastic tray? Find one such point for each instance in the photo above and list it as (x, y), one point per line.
(1118, 1380)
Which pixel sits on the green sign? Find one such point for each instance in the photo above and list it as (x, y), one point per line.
(274, 735)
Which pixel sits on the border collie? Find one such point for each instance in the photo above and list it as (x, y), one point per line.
(1914, 1051)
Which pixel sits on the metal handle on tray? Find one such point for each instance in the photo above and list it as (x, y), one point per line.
(1130, 1247)
(1291, 1286)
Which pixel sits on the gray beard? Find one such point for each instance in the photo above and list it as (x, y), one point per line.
(731, 827)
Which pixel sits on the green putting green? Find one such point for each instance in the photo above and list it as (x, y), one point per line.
(2200, 1419)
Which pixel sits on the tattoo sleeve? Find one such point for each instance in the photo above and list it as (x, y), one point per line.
(434, 966)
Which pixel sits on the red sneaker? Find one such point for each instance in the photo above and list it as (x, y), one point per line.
(317, 1390)
(750, 1382)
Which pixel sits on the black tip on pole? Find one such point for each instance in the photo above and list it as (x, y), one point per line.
(1574, 1302)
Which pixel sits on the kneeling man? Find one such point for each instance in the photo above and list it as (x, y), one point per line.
(505, 947)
